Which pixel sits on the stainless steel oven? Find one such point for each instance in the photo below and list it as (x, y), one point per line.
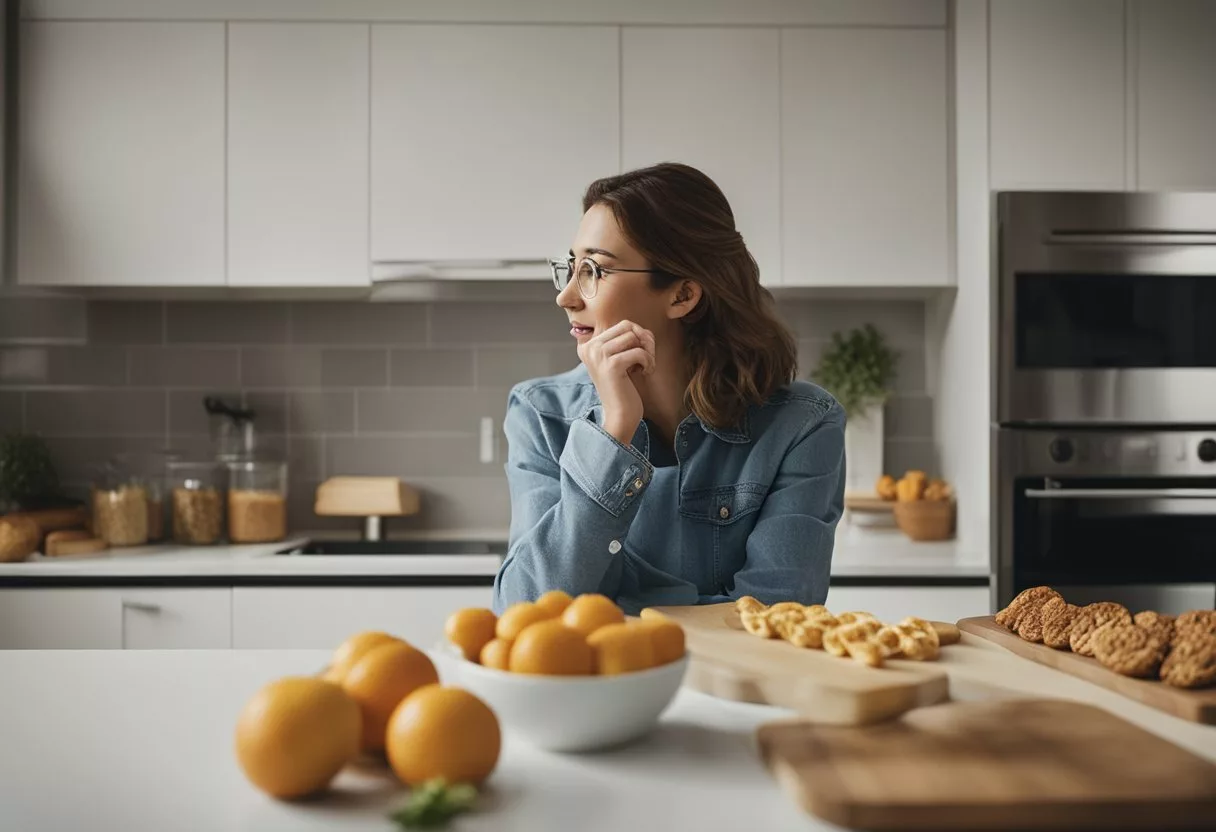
(1104, 445)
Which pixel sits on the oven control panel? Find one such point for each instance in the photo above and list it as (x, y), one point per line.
(1105, 452)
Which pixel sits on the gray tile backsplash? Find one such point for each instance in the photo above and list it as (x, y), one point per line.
(347, 388)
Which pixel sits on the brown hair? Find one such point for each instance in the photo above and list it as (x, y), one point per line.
(739, 351)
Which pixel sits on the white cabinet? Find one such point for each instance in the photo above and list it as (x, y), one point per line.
(710, 98)
(121, 149)
(892, 604)
(1057, 108)
(485, 137)
(105, 618)
(1176, 95)
(298, 154)
(864, 164)
(324, 617)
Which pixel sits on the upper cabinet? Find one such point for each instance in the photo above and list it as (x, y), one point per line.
(1057, 95)
(121, 154)
(864, 157)
(298, 154)
(1176, 95)
(710, 98)
(484, 137)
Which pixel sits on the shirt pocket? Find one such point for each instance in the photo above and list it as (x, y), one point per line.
(721, 519)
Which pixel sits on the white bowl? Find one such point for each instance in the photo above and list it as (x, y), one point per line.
(567, 713)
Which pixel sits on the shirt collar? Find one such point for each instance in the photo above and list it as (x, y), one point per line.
(735, 434)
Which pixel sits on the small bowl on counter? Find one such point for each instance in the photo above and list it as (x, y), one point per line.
(925, 520)
(567, 713)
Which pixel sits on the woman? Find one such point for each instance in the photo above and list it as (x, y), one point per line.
(680, 463)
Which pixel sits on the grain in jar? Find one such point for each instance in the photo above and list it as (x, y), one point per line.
(257, 501)
(198, 502)
(120, 514)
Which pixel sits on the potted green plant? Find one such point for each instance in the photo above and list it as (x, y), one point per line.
(27, 476)
(858, 368)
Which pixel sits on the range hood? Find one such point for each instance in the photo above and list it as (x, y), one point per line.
(400, 271)
(459, 280)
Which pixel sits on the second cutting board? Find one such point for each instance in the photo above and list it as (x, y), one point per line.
(733, 664)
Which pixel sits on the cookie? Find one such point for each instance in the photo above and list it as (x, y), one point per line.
(1195, 622)
(1191, 663)
(1092, 617)
(1128, 649)
(1030, 620)
(1156, 622)
(1058, 616)
(1008, 617)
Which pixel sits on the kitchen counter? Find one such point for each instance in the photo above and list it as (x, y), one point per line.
(143, 740)
(862, 557)
(171, 564)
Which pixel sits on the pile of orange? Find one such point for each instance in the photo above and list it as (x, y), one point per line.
(380, 694)
(557, 635)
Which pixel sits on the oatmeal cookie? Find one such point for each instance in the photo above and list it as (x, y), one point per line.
(1195, 622)
(1008, 617)
(1030, 620)
(1058, 616)
(1159, 623)
(1191, 663)
(1091, 617)
(1128, 649)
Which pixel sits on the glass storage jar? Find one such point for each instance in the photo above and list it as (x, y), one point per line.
(257, 501)
(197, 494)
(151, 469)
(120, 507)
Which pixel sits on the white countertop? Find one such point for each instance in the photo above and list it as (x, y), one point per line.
(143, 740)
(859, 552)
(260, 561)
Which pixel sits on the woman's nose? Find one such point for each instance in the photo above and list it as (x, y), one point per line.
(569, 298)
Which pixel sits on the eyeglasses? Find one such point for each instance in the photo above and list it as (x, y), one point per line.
(587, 273)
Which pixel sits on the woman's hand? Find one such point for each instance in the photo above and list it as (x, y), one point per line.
(612, 357)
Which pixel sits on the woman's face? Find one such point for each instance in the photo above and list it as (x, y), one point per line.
(619, 295)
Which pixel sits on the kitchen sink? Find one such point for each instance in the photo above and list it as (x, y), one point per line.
(398, 547)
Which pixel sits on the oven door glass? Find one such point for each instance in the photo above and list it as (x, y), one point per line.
(1097, 321)
(1114, 531)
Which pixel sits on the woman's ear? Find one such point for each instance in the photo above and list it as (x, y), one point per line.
(685, 299)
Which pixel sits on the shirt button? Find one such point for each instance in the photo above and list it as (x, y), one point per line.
(724, 512)
(614, 546)
(638, 483)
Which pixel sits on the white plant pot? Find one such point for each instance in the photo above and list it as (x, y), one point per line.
(863, 440)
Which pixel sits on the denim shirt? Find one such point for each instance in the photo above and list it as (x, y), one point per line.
(748, 510)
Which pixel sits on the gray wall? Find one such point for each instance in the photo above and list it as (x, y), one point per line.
(345, 388)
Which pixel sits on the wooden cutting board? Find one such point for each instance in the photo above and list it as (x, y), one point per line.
(1009, 764)
(1195, 705)
(730, 663)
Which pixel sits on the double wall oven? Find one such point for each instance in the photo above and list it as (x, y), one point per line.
(1104, 445)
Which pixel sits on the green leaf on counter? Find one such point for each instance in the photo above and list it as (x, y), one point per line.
(433, 803)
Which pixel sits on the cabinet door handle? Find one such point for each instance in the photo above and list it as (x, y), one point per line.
(140, 606)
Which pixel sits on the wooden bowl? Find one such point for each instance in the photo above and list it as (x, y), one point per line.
(926, 519)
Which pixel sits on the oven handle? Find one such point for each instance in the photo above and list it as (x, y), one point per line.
(1121, 493)
(1079, 238)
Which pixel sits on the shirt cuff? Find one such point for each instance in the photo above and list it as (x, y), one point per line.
(612, 474)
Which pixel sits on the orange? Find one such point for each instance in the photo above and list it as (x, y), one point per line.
(666, 637)
(497, 654)
(587, 613)
(621, 648)
(551, 648)
(471, 629)
(353, 649)
(554, 602)
(517, 616)
(442, 732)
(295, 734)
(381, 679)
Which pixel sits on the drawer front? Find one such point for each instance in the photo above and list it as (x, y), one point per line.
(171, 619)
(59, 619)
(323, 617)
(936, 603)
